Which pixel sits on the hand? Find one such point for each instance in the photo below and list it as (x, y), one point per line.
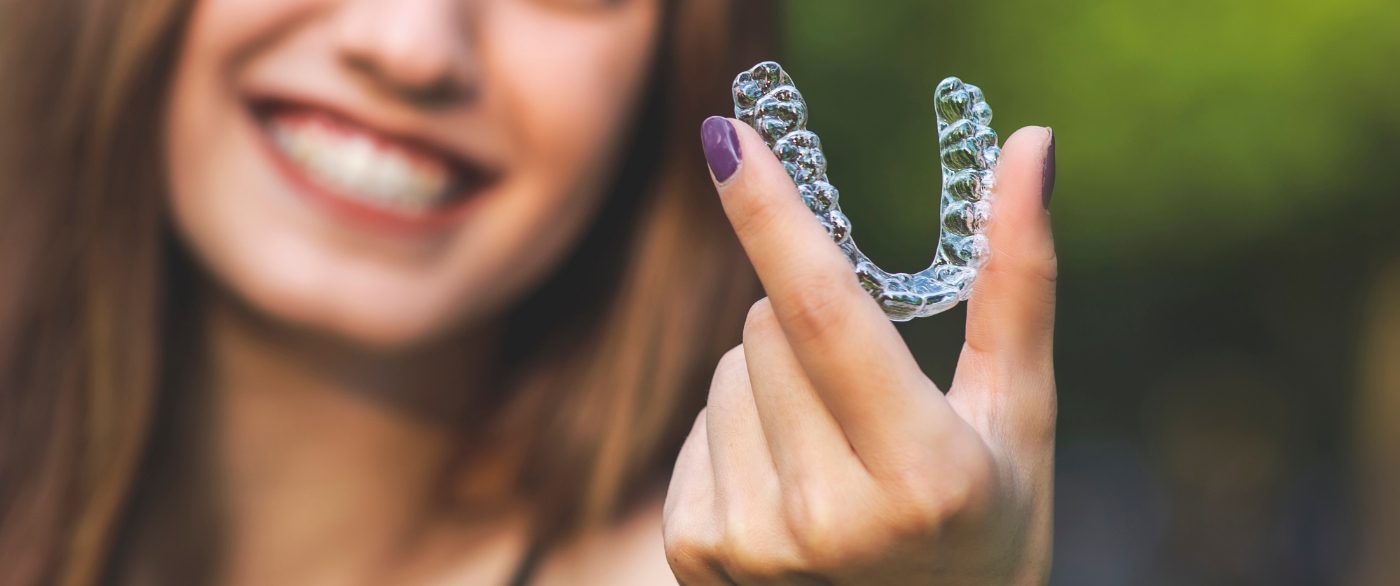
(826, 456)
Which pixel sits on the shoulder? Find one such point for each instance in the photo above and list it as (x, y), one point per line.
(629, 553)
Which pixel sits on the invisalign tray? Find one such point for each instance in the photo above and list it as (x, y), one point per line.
(765, 98)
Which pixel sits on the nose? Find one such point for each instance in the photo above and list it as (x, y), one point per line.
(419, 50)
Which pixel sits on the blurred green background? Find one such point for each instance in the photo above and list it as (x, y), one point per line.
(1187, 128)
(1227, 182)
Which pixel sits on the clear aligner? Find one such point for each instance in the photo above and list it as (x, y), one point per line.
(765, 98)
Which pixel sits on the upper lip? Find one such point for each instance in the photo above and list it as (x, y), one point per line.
(471, 171)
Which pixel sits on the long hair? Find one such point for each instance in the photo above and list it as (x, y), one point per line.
(603, 391)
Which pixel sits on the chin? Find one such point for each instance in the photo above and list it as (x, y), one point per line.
(362, 319)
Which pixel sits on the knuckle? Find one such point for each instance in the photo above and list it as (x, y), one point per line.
(1026, 255)
(730, 381)
(751, 563)
(756, 213)
(932, 499)
(731, 364)
(1050, 268)
(760, 322)
(816, 313)
(813, 520)
(1043, 271)
(755, 553)
(688, 551)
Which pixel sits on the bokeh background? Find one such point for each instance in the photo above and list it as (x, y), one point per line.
(1226, 212)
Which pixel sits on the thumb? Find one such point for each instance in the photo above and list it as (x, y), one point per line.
(1011, 314)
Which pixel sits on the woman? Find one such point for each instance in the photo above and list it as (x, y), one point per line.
(428, 291)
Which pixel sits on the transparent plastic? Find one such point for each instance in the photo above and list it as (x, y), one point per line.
(766, 99)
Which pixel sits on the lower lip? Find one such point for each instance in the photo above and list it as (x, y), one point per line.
(360, 212)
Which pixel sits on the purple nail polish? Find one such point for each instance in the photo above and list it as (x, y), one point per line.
(1047, 172)
(721, 146)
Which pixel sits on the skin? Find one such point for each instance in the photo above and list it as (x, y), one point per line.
(825, 456)
(339, 350)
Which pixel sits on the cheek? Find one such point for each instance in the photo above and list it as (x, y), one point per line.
(201, 118)
(572, 81)
(565, 86)
(202, 129)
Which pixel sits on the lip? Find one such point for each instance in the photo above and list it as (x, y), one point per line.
(471, 178)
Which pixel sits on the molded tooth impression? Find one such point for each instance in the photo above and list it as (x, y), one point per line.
(766, 99)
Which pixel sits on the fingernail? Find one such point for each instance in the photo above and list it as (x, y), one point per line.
(1047, 171)
(721, 145)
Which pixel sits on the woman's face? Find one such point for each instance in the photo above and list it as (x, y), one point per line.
(387, 169)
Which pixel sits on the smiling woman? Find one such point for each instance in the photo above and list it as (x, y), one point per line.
(392, 200)
(358, 292)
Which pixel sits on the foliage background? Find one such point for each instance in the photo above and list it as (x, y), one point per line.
(1227, 181)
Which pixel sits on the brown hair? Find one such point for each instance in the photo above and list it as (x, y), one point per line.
(85, 282)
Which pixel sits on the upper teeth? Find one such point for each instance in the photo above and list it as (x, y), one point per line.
(358, 166)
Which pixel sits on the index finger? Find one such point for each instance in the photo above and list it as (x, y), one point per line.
(850, 351)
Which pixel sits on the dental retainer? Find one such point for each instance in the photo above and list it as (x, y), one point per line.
(766, 99)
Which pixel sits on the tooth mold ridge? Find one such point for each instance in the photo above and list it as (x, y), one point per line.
(766, 99)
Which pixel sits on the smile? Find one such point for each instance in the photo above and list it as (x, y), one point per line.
(370, 173)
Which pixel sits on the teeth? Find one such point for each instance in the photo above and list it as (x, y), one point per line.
(355, 164)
